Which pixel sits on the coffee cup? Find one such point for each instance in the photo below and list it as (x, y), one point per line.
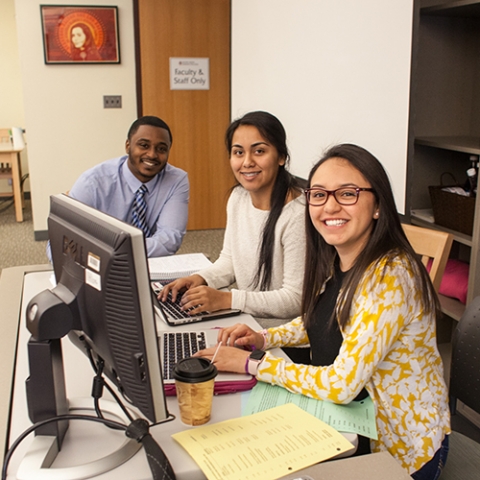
(194, 382)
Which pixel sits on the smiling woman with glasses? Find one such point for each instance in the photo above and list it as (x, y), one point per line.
(368, 313)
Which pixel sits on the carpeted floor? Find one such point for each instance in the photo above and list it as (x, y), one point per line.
(18, 246)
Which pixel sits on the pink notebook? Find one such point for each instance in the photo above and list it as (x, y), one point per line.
(221, 387)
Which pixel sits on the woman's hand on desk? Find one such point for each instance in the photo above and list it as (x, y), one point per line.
(180, 285)
(204, 299)
(241, 335)
(235, 345)
(227, 359)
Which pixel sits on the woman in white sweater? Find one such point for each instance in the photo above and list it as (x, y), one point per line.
(264, 246)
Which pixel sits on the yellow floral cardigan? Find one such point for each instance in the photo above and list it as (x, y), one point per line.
(389, 347)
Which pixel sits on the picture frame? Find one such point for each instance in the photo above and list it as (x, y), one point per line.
(80, 34)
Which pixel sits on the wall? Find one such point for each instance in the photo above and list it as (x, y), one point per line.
(68, 128)
(11, 98)
(332, 71)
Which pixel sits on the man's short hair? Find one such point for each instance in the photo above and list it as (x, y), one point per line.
(148, 120)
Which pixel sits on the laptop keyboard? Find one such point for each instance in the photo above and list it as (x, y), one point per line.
(174, 308)
(178, 345)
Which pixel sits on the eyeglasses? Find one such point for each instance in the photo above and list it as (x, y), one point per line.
(316, 197)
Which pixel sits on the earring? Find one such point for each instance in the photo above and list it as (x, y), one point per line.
(375, 215)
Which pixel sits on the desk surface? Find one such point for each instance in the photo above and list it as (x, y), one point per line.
(84, 440)
(9, 148)
(376, 466)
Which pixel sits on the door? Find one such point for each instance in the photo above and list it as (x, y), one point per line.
(198, 118)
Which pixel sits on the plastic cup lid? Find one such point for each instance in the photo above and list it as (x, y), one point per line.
(194, 370)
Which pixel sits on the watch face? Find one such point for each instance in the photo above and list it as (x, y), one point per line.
(257, 354)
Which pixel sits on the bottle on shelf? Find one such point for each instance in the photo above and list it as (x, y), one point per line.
(472, 175)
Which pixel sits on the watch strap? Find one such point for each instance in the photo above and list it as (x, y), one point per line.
(252, 365)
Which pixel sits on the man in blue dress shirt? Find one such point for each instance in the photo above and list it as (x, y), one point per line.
(112, 186)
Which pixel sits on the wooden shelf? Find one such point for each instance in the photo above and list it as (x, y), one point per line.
(457, 236)
(451, 307)
(459, 8)
(463, 144)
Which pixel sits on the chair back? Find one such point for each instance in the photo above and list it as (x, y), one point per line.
(430, 245)
(465, 366)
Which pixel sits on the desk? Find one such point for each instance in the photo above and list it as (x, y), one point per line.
(11, 155)
(375, 466)
(84, 440)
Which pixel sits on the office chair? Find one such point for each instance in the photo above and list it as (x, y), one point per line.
(463, 462)
(430, 244)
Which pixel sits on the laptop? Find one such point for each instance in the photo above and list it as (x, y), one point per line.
(175, 345)
(171, 313)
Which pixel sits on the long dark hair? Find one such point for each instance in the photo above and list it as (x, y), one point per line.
(272, 130)
(387, 241)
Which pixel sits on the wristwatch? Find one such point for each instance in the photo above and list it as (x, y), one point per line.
(253, 361)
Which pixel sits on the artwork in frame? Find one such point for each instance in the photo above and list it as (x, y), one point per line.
(80, 34)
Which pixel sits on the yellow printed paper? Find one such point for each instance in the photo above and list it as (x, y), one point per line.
(265, 445)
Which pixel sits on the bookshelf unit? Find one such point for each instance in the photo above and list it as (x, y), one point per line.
(444, 125)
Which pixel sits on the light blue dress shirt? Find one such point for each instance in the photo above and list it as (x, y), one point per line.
(110, 187)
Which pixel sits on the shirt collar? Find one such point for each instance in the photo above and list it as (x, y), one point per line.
(134, 183)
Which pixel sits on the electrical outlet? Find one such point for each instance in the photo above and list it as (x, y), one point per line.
(112, 101)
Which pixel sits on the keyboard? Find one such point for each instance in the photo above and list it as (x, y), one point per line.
(171, 312)
(178, 345)
(173, 308)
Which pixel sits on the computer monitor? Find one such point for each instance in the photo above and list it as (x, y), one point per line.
(101, 270)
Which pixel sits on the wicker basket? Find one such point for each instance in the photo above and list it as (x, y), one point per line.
(452, 210)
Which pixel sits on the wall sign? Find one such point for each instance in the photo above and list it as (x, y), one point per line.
(189, 73)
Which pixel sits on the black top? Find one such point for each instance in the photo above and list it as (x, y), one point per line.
(324, 332)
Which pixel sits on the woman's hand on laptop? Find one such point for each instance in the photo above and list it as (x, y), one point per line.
(227, 359)
(180, 285)
(242, 336)
(205, 299)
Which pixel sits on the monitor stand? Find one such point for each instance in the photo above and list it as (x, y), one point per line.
(36, 463)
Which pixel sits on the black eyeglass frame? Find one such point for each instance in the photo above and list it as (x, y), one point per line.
(333, 193)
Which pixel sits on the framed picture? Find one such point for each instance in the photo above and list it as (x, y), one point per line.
(80, 34)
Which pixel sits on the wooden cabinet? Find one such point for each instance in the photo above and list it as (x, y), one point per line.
(444, 129)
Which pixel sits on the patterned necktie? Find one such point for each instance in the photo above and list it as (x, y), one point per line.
(139, 211)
